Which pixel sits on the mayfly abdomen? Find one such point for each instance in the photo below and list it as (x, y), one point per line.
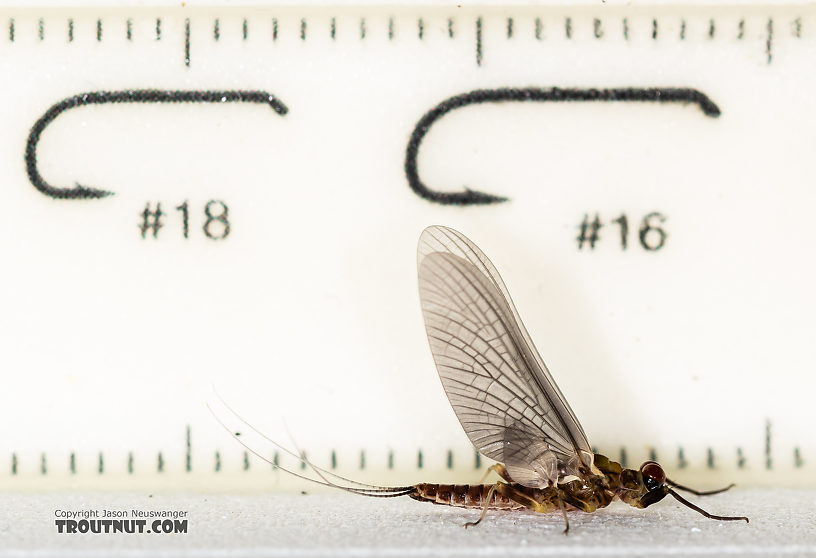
(463, 496)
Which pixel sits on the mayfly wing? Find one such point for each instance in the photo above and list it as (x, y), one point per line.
(496, 382)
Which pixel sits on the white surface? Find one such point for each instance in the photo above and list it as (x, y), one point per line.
(377, 3)
(344, 525)
(309, 309)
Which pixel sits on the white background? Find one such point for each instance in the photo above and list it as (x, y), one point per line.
(308, 311)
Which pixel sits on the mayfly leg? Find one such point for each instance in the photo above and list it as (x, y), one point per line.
(518, 497)
(698, 492)
(705, 513)
(564, 513)
(490, 494)
(500, 470)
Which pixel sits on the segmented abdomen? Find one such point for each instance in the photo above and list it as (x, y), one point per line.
(463, 496)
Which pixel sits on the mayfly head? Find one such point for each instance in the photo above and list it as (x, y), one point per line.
(643, 487)
(649, 484)
(654, 480)
(653, 475)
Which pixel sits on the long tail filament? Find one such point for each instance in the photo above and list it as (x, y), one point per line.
(360, 488)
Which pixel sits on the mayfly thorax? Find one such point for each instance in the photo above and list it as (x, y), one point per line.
(507, 402)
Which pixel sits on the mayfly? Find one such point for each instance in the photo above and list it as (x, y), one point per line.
(507, 402)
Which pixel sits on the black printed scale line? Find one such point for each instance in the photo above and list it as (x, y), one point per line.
(131, 96)
(530, 94)
(450, 457)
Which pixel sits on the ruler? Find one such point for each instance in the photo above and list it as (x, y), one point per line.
(205, 201)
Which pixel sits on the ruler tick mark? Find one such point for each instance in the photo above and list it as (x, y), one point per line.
(333, 459)
(362, 459)
(216, 29)
(43, 465)
(568, 28)
(188, 458)
(450, 28)
(538, 28)
(391, 459)
(710, 458)
(681, 458)
(419, 459)
(13, 463)
(768, 457)
(130, 463)
(798, 462)
(72, 463)
(101, 464)
(129, 29)
(362, 28)
(741, 460)
(390, 28)
(246, 461)
(274, 29)
(479, 41)
(217, 461)
(11, 29)
(333, 27)
(682, 29)
(626, 29)
(597, 28)
(303, 29)
(652, 454)
(99, 30)
(158, 28)
(477, 461)
(654, 29)
(245, 29)
(712, 28)
(187, 42)
(70, 30)
(797, 28)
(623, 460)
(509, 27)
(741, 29)
(420, 29)
(449, 461)
(41, 29)
(769, 44)
(160, 463)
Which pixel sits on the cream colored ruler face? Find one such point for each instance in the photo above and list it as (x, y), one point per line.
(199, 198)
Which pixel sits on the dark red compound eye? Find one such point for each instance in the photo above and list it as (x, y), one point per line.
(653, 473)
